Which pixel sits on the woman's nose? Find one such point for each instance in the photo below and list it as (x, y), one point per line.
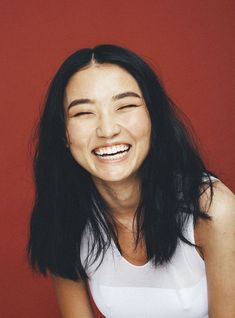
(107, 127)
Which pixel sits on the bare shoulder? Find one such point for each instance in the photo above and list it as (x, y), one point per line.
(222, 213)
(216, 239)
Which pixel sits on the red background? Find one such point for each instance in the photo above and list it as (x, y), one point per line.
(190, 43)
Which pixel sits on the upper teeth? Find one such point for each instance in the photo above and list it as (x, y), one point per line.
(111, 150)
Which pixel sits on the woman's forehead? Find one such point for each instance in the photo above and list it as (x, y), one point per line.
(101, 80)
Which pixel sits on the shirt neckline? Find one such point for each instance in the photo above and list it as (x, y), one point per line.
(125, 260)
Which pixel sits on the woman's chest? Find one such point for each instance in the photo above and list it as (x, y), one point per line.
(122, 289)
(143, 302)
(136, 255)
(127, 285)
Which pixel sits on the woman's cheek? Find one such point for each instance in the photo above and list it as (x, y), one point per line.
(78, 132)
(139, 125)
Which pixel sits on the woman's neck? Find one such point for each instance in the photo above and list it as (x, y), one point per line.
(121, 197)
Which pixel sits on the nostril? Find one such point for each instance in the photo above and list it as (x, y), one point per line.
(108, 130)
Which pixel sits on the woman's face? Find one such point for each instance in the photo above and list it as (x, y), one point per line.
(108, 124)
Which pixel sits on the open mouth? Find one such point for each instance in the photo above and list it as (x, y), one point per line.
(113, 152)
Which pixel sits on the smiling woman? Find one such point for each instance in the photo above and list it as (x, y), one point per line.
(108, 128)
(124, 202)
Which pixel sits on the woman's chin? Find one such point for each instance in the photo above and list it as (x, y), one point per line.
(112, 177)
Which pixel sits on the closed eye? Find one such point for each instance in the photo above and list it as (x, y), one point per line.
(81, 114)
(128, 106)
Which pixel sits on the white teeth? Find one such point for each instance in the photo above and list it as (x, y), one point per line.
(112, 157)
(111, 150)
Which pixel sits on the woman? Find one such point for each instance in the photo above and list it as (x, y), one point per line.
(124, 203)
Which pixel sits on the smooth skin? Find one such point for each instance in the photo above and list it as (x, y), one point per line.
(73, 298)
(106, 121)
(217, 241)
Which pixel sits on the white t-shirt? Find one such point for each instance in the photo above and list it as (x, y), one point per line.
(175, 290)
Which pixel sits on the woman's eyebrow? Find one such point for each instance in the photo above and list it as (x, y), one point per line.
(90, 101)
(126, 94)
(80, 101)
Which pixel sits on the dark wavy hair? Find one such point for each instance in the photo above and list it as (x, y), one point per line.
(66, 199)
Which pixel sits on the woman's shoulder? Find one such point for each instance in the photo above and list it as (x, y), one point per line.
(222, 203)
(216, 239)
(221, 210)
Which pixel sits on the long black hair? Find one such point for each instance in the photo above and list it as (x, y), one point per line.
(66, 200)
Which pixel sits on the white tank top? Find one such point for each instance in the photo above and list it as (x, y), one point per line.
(175, 290)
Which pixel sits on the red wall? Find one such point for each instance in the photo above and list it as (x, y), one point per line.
(190, 43)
